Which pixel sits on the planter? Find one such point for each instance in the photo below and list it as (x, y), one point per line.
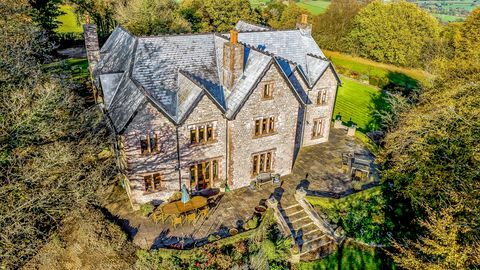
(233, 231)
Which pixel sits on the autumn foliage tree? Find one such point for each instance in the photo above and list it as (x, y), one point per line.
(395, 32)
(331, 28)
(431, 164)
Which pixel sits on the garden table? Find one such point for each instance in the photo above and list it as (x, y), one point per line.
(178, 207)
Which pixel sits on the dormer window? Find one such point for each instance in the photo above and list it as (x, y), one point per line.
(149, 143)
(322, 97)
(203, 133)
(268, 90)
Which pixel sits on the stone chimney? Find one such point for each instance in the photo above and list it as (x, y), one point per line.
(91, 44)
(303, 26)
(232, 60)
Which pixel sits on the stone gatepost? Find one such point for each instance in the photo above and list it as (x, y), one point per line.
(351, 130)
(338, 124)
(300, 194)
(272, 203)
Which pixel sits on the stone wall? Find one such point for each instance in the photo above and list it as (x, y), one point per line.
(284, 106)
(205, 112)
(314, 111)
(163, 162)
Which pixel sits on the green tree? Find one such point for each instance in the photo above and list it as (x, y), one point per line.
(141, 17)
(331, 27)
(281, 16)
(431, 161)
(218, 15)
(395, 32)
(101, 13)
(45, 13)
(441, 247)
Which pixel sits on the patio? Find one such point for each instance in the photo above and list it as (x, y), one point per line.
(318, 169)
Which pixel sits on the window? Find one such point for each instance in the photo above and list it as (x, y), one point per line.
(149, 143)
(322, 97)
(203, 174)
(202, 134)
(262, 162)
(153, 182)
(268, 90)
(318, 127)
(265, 126)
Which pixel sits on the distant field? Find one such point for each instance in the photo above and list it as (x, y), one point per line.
(315, 7)
(449, 10)
(355, 102)
(449, 18)
(69, 21)
(259, 3)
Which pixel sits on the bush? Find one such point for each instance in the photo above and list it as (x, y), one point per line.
(146, 209)
(251, 223)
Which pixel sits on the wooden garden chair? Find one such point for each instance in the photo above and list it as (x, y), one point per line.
(191, 218)
(203, 212)
(177, 220)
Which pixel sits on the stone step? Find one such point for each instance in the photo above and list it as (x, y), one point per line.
(315, 231)
(302, 239)
(315, 244)
(305, 226)
(299, 219)
(291, 209)
(291, 206)
(295, 213)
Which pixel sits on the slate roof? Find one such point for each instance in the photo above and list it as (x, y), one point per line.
(175, 72)
(243, 26)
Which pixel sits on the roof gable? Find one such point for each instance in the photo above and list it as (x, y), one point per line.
(174, 72)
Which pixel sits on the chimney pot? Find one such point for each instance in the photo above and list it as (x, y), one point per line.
(233, 36)
(304, 19)
(87, 19)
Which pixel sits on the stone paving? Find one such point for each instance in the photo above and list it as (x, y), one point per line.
(317, 169)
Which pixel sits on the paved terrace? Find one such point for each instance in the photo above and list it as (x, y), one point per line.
(317, 169)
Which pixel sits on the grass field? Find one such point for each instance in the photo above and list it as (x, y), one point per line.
(315, 7)
(68, 21)
(448, 18)
(369, 67)
(355, 103)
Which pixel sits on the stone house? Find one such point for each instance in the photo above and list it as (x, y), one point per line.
(210, 109)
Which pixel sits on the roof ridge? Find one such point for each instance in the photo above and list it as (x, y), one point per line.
(266, 28)
(318, 56)
(177, 35)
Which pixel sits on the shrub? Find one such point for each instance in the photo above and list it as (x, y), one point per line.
(146, 209)
(251, 223)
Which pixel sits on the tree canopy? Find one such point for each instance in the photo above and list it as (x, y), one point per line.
(217, 15)
(141, 17)
(431, 161)
(331, 27)
(394, 32)
(280, 16)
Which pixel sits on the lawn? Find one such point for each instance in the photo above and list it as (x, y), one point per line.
(342, 204)
(77, 68)
(369, 67)
(352, 256)
(355, 103)
(315, 7)
(68, 21)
